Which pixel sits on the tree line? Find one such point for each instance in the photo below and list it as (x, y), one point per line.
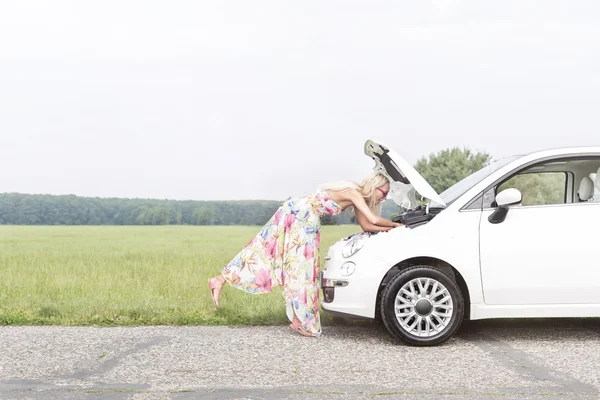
(27, 209)
(441, 170)
(24, 209)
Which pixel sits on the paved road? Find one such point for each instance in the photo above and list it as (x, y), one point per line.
(549, 359)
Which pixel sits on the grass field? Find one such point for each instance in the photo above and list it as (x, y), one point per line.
(125, 275)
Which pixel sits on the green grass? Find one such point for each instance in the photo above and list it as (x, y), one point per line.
(108, 275)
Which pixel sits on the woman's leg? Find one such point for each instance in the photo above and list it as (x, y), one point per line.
(215, 285)
(302, 313)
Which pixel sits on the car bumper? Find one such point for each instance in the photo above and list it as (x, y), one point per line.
(354, 295)
(328, 286)
(328, 282)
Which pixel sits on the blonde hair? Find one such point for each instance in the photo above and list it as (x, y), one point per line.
(367, 188)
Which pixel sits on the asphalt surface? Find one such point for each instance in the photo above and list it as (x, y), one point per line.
(533, 359)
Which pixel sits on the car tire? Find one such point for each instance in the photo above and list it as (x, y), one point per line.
(413, 313)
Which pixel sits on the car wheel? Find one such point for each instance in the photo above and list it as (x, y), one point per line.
(422, 306)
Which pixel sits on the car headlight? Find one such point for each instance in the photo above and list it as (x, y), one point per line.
(354, 245)
(347, 268)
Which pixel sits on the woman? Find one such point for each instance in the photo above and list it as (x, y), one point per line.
(286, 251)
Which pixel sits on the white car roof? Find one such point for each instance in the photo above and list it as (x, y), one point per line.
(559, 151)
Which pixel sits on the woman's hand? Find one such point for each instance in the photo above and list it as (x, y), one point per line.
(397, 226)
(368, 221)
(367, 226)
(375, 228)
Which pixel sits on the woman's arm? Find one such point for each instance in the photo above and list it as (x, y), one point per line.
(360, 206)
(366, 225)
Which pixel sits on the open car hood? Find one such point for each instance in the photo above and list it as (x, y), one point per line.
(404, 179)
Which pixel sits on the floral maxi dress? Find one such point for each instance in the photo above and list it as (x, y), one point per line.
(286, 253)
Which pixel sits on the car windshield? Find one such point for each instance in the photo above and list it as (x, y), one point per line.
(459, 188)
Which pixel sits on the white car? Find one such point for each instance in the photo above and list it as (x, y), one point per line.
(516, 239)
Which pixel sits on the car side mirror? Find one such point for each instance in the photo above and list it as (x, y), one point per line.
(509, 197)
(505, 199)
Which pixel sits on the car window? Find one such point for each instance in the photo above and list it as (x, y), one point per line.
(539, 188)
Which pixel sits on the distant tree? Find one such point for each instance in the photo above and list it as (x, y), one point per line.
(204, 216)
(327, 219)
(449, 166)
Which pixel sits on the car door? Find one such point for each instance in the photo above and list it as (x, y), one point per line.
(542, 253)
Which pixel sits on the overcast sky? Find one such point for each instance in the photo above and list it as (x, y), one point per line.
(247, 99)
